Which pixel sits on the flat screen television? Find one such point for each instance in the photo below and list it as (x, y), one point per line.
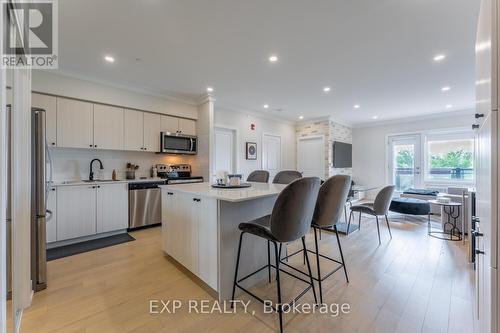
(342, 155)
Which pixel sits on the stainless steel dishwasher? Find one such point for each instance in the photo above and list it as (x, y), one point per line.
(144, 204)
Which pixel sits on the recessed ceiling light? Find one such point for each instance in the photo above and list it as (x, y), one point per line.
(327, 89)
(109, 59)
(301, 117)
(210, 89)
(375, 117)
(439, 57)
(446, 88)
(273, 58)
(449, 106)
(356, 106)
(265, 106)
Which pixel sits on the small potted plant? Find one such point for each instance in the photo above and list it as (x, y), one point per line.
(130, 172)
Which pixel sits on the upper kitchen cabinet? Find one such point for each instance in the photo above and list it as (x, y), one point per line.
(178, 125)
(75, 123)
(108, 127)
(134, 130)
(187, 126)
(152, 130)
(49, 104)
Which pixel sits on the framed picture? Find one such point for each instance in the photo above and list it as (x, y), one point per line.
(251, 151)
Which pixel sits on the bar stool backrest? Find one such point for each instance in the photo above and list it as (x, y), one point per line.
(331, 200)
(286, 177)
(293, 211)
(383, 200)
(259, 176)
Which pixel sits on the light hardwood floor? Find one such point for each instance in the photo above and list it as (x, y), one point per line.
(412, 283)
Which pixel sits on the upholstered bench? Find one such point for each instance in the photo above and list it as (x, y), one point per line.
(410, 206)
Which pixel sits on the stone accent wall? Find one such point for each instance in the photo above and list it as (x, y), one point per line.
(332, 131)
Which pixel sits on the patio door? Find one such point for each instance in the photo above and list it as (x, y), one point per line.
(405, 161)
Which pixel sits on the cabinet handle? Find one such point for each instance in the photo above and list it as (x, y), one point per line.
(99, 186)
(92, 187)
(91, 145)
(170, 193)
(196, 200)
(95, 146)
(479, 251)
(475, 126)
(53, 143)
(53, 190)
(479, 115)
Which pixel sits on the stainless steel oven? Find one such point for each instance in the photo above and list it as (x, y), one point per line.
(175, 143)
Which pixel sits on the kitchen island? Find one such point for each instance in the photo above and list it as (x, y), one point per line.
(200, 230)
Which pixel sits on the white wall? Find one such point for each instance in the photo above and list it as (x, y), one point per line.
(241, 122)
(369, 143)
(50, 83)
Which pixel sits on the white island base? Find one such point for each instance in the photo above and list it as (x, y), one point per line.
(200, 230)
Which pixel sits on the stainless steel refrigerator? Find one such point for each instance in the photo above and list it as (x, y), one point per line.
(39, 193)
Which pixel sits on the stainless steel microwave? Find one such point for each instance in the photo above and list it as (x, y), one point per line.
(175, 143)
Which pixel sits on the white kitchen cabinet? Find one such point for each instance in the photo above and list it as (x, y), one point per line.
(76, 211)
(51, 221)
(169, 124)
(112, 207)
(152, 130)
(134, 130)
(178, 125)
(204, 211)
(108, 127)
(189, 230)
(75, 123)
(49, 104)
(187, 126)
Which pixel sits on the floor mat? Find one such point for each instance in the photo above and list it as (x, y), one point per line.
(91, 245)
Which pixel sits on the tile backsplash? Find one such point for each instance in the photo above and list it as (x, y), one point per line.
(74, 164)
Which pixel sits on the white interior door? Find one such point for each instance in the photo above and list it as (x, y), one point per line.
(311, 156)
(405, 162)
(271, 154)
(225, 144)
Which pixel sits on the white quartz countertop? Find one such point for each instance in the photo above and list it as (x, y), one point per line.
(127, 181)
(257, 190)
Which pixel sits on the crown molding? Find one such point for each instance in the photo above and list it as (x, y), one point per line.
(440, 115)
(144, 91)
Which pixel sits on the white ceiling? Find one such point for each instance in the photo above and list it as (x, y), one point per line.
(375, 53)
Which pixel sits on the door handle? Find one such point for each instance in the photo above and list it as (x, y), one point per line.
(477, 233)
(475, 219)
(479, 251)
(475, 126)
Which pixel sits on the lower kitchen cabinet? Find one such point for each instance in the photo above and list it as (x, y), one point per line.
(112, 207)
(51, 220)
(76, 211)
(85, 210)
(190, 230)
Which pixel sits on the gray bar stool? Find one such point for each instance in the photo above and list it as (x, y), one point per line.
(379, 207)
(286, 177)
(290, 220)
(329, 208)
(259, 176)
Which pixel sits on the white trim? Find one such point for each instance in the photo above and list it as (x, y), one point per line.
(236, 148)
(3, 192)
(144, 91)
(311, 137)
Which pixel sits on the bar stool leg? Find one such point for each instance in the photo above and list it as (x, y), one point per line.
(236, 269)
(279, 307)
(341, 254)
(309, 269)
(359, 222)
(349, 222)
(388, 226)
(378, 230)
(269, 261)
(317, 265)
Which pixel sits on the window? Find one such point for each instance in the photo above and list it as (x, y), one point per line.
(449, 158)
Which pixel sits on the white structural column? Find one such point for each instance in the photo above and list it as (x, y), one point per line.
(3, 192)
(206, 138)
